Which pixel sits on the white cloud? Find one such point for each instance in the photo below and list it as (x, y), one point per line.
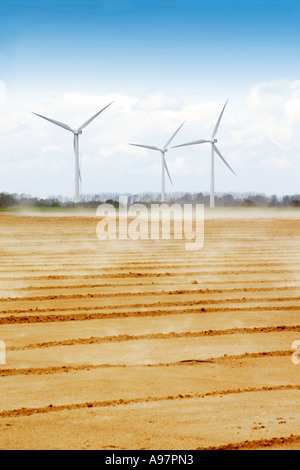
(155, 101)
(178, 166)
(50, 148)
(92, 101)
(282, 163)
(274, 110)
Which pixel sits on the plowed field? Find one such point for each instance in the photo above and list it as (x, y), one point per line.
(143, 345)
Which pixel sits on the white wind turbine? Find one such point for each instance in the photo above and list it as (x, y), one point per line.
(214, 149)
(76, 133)
(163, 161)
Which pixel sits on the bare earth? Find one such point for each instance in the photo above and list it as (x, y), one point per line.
(144, 345)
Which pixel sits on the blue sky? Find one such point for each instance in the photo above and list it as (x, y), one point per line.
(148, 41)
(188, 52)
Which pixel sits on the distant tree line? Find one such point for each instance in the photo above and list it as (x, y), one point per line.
(94, 200)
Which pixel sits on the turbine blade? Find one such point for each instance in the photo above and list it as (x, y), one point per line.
(86, 123)
(218, 122)
(61, 124)
(166, 167)
(191, 143)
(222, 158)
(170, 140)
(146, 147)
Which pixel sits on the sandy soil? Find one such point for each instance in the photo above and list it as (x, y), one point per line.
(144, 345)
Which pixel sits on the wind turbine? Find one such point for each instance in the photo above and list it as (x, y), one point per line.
(163, 161)
(76, 133)
(214, 149)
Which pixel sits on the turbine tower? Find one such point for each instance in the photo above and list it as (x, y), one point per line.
(214, 149)
(163, 161)
(77, 133)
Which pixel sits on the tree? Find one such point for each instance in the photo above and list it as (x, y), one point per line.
(249, 203)
(295, 203)
(7, 200)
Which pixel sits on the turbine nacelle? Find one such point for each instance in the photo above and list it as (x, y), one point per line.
(213, 141)
(77, 132)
